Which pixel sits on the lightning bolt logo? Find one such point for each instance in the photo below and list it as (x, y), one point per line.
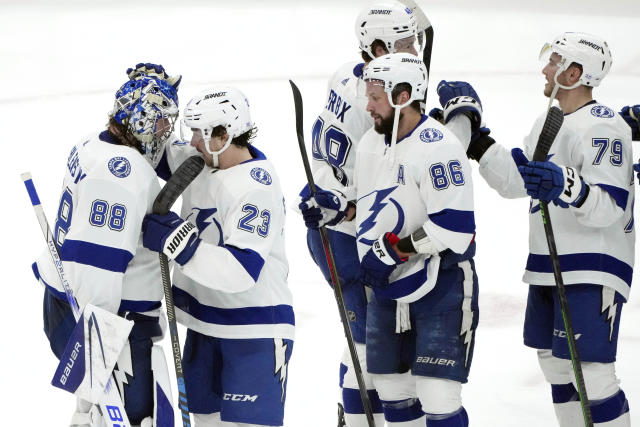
(609, 305)
(375, 209)
(280, 351)
(123, 369)
(467, 312)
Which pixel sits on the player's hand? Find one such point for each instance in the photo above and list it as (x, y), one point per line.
(170, 234)
(479, 143)
(631, 115)
(550, 182)
(438, 114)
(326, 207)
(380, 261)
(460, 98)
(153, 70)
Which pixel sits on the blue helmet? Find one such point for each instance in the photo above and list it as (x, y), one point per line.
(148, 108)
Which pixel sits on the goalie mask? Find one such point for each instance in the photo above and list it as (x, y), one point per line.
(390, 22)
(590, 51)
(224, 106)
(390, 70)
(148, 108)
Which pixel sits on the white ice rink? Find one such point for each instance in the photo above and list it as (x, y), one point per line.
(62, 61)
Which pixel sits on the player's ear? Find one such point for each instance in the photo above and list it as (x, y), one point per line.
(575, 71)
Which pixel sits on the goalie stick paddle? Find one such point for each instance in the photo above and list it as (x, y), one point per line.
(337, 288)
(111, 404)
(178, 182)
(550, 129)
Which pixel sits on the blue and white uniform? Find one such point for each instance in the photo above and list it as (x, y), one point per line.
(425, 319)
(107, 190)
(595, 244)
(335, 135)
(233, 294)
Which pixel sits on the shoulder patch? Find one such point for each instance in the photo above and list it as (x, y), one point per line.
(261, 175)
(431, 135)
(120, 167)
(602, 111)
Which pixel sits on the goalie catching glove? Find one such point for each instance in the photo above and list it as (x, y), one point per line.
(171, 235)
(549, 182)
(326, 207)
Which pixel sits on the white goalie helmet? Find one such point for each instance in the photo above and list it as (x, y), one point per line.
(392, 69)
(224, 106)
(590, 51)
(389, 21)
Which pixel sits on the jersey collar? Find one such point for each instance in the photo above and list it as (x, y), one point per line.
(256, 154)
(387, 141)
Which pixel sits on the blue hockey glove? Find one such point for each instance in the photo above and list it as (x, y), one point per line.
(550, 182)
(326, 207)
(636, 167)
(380, 261)
(631, 115)
(170, 234)
(153, 70)
(460, 98)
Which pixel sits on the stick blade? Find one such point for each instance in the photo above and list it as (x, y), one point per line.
(550, 129)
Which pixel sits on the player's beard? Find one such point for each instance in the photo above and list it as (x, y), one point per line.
(385, 127)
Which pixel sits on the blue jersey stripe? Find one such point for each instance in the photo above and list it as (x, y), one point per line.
(404, 286)
(620, 195)
(585, 261)
(103, 257)
(455, 220)
(250, 260)
(138, 306)
(268, 315)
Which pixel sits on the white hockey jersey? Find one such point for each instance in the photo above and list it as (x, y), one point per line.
(235, 286)
(596, 241)
(337, 131)
(425, 181)
(107, 191)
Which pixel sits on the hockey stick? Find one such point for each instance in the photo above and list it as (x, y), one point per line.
(424, 25)
(111, 405)
(178, 182)
(550, 129)
(337, 288)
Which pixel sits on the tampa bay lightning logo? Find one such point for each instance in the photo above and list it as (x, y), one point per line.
(377, 206)
(120, 167)
(602, 111)
(431, 135)
(204, 218)
(261, 175)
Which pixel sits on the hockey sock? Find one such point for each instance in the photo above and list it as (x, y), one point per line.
(354, 411)
(403, 413)
(611, 412)
(458, 418)
(566, 404)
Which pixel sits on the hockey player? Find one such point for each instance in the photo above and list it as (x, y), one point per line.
(109, 186)
(385, 26)
(230, 281)
(589, 178)
(413, 180)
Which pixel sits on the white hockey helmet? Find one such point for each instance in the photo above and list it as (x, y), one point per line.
(590, 51)
(388, 21)
(393, 69)
(224, 106)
